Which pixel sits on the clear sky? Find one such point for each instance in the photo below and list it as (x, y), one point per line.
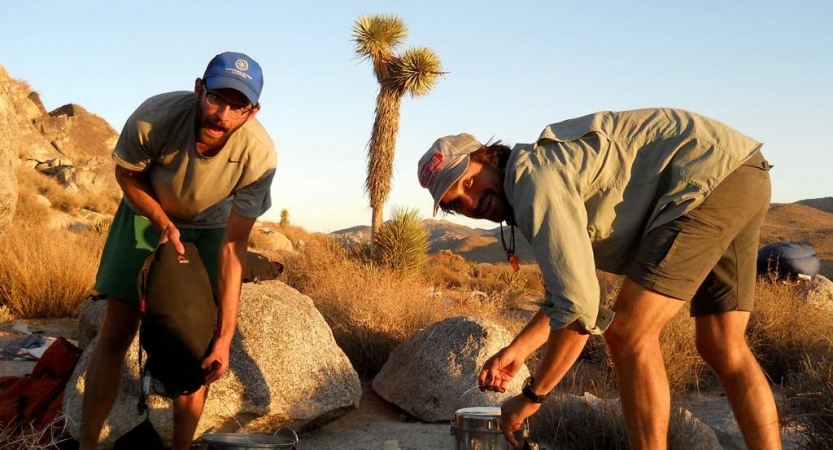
(764, 67)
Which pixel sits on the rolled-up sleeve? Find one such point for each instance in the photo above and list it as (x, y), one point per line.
(550, 213)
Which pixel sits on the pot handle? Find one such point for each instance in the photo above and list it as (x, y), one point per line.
(288, 433)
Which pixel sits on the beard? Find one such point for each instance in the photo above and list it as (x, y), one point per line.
(212, 134)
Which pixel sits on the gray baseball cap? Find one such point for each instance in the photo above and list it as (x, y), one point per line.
(444, 163)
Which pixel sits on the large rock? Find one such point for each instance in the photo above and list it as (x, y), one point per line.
(265, 238)
(90, 319)
(9, 141)
(432, 374)
(819, 292)
(286, 370)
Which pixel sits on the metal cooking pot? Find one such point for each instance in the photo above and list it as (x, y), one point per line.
(477, 429)
(283, 438)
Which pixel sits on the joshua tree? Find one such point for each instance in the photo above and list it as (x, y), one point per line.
(414, 72)
(284, 218)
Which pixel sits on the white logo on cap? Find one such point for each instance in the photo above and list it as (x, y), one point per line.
(241, 64)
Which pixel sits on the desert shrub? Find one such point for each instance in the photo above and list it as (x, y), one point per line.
(784, 329)
(809, 405)
(445, 269)
(402, 242)
(571, 424)
(372, 309)
(46, 275)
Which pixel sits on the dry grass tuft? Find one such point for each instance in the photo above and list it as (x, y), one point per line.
(809, 404)
(52, 437)
(784, 329)
(574, 424)
(47, 275)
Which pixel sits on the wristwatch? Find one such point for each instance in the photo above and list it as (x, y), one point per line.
(530, 394)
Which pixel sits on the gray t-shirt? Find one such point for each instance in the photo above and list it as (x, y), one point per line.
(196, 191)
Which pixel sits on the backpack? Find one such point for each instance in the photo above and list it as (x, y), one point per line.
(178, 313)
(33, 402)
(259, 268)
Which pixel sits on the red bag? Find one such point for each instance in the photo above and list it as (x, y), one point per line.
(34, 401)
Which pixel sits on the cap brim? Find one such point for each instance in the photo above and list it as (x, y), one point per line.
(221, 82)
(446, 179)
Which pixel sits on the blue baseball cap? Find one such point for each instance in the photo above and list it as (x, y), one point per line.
(236, 71)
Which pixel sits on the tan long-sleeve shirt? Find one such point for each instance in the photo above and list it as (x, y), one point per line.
(588, 190)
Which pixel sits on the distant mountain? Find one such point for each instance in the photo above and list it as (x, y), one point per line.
(823, 204)
(806, 220)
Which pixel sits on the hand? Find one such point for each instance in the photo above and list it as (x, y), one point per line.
(499, 370)
(217, 361)
(171, 233)
(513, 412)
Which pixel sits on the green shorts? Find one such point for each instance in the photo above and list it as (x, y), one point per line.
(132, 238)
(709, 256)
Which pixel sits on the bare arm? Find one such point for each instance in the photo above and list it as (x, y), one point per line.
(563, 348)
(499, 370)
(230, 278)
(137, 190)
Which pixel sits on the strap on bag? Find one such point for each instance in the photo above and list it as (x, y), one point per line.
(144, 376)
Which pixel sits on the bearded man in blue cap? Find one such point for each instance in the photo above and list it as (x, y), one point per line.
(193, 167)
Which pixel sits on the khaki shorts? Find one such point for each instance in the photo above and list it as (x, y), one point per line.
(132, 238)
(709, 256)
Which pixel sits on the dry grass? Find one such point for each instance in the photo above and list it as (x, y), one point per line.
(371, 309)
(51, 437)
(576, 425)
(46, 275)
(810, 403)
(784, 330)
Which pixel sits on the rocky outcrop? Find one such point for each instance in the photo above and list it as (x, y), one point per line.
(432, 374)
(9, 141)
(286, 370)
(76, 133)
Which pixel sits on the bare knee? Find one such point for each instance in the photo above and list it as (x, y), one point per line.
(723, 353)
(625, 343)
(119, 327)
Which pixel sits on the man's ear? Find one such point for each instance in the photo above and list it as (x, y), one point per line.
(254, 112)
(197, 88)
(494, 158)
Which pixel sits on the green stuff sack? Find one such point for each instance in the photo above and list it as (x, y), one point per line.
(178, 317)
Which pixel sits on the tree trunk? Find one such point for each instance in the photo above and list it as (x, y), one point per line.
(380, 156)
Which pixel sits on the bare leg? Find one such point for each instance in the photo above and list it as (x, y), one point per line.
(187, 412)
(722, 343)
(104, 371)
(633, 340)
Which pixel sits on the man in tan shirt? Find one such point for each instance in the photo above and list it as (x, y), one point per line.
(194, 166)
(668, 198)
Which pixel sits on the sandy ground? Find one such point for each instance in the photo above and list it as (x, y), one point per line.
(375, 422)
